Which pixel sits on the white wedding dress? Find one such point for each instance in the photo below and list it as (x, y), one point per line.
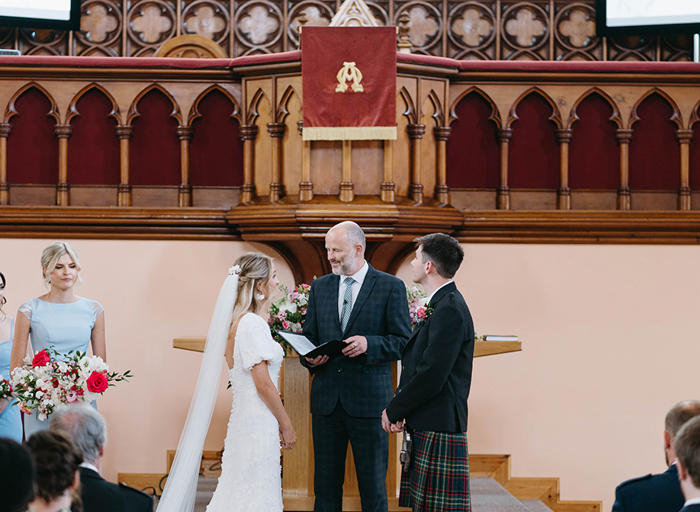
(251, 472)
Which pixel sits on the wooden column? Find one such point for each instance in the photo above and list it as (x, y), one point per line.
(504, 136)
(184, 133)
(347, 189)
(63, 132)
(306, 188)
(564, 192)
(388, 189)
(684, 199)
(124, 133)
(5, 129)
(248, 133)
(415, 134)
(276, 131)
(442, 192)
(624, 199)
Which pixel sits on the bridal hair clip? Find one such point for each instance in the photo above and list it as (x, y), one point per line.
(235, 270)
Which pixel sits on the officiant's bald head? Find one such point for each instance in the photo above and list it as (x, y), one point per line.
(351, 231)
(345, 247)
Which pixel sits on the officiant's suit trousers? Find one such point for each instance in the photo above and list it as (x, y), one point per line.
(348, 395)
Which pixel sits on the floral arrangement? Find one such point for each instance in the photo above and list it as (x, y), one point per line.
(289, 311)
(418, 308)
(46, 381)
(5, 388)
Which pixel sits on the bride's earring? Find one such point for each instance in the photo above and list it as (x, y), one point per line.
(260, 297)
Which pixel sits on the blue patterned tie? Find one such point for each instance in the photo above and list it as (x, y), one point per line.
(347, 303)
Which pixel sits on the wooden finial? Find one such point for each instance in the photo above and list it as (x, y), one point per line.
(303, 20)
(404, 28)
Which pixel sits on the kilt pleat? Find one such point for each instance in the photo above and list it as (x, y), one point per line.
(439, 478)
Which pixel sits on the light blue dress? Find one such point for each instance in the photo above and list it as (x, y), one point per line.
(64, 327)
(10, 421)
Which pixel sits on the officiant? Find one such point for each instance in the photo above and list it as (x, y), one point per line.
(368, 310)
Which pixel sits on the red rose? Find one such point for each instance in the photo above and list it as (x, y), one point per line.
(97, 382)
(41, 358)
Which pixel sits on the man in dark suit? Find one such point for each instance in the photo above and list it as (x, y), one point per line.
(86, 428)
(688, 451)
(659, 493)
(431, 400)
(368, 310)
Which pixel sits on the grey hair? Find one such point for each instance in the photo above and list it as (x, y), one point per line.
(51, 255)
(353, 233)
(84, 425)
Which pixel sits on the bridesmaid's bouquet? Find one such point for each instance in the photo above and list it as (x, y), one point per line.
(289, 311)
(47, 381)
(5, 388)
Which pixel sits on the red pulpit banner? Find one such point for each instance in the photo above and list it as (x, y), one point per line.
(349, 83)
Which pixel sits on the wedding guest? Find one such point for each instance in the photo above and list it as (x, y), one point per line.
(662, 492)
(16, 476)
(431, 400)
(59, 318)
(368, 310)
(57, 479)
(10, 420)
(86, 428)
(688, 451)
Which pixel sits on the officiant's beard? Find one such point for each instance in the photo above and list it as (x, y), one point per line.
(345, 266)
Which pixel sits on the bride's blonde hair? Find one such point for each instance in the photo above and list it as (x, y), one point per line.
(255, 267)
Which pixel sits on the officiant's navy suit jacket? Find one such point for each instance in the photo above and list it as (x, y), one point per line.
(362, 384)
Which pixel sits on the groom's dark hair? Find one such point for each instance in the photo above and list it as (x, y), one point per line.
(443, 251)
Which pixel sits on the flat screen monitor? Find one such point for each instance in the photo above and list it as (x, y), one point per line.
(644, 17)
(53, 14)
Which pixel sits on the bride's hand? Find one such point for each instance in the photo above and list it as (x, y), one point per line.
(289, 437)
(4, 403)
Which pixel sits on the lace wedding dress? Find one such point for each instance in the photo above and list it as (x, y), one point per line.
(250, 472)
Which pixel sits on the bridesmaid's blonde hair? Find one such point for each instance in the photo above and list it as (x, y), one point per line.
(50, 257)
(255, 267)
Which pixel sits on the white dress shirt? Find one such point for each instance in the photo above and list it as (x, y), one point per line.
(692, 501)
(432, 294)
(359, 278)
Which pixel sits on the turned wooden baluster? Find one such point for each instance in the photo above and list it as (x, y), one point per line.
(564, 192)
(504, 136)
(5, 129)
(684, 199)
(442, 192)
(276, 131)
(248, 133)
(624, 199)
(185, 133)
(63, 132)
(124, 133)
(306, 188)
(388, 189)
(415, 134)
(347, 189)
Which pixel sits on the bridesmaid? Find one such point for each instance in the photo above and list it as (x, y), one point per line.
(10, 422)
(59, 318)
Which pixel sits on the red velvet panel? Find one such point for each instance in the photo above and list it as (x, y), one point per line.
(216, 152)
(594, 156)
(533, 160)
(472, 149)
(32, 148)
(654, 150)
(93, 149)
(154, 156)
(695, 158)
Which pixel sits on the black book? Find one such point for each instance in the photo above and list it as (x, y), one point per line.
(305, 348)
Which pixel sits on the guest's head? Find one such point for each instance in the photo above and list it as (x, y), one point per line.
(345, 248)
(16, 476)
(60, 265)
(57, 464)
(85, 427)
(688, 452)
(257, 283)
(3, 300)
(679, 414)
(438, 256)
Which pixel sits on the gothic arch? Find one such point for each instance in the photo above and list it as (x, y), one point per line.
(676, 118)
(253, 113)
(10, 112)
(438, 113)
(411, 113)
(282, 112)
(615, 117)
(194, 111)
(495, 114)
(555, 117)
(133, 109)
(73, 110)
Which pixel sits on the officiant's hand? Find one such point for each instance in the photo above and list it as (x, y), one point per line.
(357, 345)
(390, 427)
(316, 361)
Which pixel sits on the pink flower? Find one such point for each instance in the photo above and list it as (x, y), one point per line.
(97, 382)
(71, 397)
(285, 324)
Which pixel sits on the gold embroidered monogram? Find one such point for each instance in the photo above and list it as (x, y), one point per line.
(349, 72)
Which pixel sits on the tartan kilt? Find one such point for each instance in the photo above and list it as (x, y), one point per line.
(439, 478)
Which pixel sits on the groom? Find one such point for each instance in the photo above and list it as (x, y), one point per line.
(368, 310)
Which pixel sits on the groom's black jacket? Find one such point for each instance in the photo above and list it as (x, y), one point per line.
(437, 368)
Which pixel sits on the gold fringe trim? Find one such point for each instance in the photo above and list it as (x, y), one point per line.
(350, 133)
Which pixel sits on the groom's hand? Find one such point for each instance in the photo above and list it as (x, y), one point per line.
(356, 345)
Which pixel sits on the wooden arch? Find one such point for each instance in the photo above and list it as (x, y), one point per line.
(555, 117)
(438, 114)
(676, 118)
(11, 111)
(133, 109)
(194, 111)
(694, 117)
(411, 113)
(282, 111)
(253, 113)
(495, 114)
(73, 107)
(615, 117)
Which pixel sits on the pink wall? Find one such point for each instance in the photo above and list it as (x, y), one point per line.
(611, 340)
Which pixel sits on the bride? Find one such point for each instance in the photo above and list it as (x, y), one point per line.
(250, 474)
